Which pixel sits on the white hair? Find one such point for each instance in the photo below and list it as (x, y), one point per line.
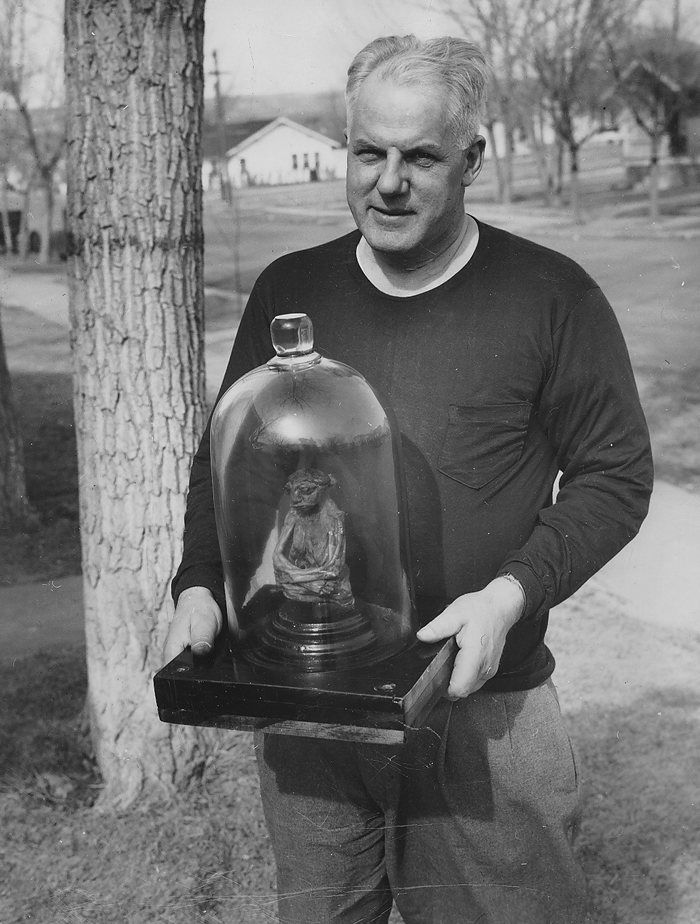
(451, 63)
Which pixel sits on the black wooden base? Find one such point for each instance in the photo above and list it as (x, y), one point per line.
(377, 703)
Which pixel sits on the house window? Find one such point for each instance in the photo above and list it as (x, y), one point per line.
(306, 161)
(295, 162)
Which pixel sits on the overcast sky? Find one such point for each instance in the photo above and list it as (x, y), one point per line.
(272, 46)
(267, 46)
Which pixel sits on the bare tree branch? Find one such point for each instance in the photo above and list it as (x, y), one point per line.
(44, 146)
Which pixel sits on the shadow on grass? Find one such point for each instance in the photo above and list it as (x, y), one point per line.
(640, 840)
(44, 406)
(46, 751)
(205, 855)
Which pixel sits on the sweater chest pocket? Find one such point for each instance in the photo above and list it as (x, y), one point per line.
(482, 442)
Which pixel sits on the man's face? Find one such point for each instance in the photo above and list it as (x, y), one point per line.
(406, 174)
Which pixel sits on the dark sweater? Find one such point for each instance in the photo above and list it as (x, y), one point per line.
(512, 370)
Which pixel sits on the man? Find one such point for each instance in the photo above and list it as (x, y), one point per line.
(504, 364)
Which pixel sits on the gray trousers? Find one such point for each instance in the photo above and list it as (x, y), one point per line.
(472, 820)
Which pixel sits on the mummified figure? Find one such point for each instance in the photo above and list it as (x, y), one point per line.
(309, 558)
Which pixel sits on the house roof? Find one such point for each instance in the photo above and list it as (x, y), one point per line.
(653, 71)
(231, 133)
(271, 126)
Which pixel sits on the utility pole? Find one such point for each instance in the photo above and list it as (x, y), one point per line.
(221, 132)
(676, 25)
(226, 191)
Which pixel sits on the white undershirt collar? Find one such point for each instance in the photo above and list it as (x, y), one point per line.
(374, 273)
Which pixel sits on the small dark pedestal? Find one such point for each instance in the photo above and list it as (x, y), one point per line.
(376, 703)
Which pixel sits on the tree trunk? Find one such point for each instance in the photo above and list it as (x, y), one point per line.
(23, 235)
(47, 224)
(654, 180)
(574, 184)
(496, 160)
(135, 100)
(15, 511)
(559, 175)
(542, 158)
(507, 196)
(4, 215)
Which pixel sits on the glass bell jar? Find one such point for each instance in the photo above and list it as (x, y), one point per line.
(307, 496)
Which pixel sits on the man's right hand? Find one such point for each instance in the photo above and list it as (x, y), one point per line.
(196, 623)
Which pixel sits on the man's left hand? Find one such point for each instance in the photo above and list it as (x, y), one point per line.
(479, 622)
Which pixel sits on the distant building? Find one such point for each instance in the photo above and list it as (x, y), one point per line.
(217, 139)
(283, 151)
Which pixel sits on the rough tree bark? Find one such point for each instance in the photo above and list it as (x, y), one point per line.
(135, 89)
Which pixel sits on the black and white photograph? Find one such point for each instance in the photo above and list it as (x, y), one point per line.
(349, 461)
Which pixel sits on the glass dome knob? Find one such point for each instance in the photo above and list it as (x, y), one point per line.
(292, 334)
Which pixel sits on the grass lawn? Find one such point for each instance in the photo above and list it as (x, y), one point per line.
(631, 691)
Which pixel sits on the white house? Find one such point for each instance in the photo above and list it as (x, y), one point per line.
(284, 152)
